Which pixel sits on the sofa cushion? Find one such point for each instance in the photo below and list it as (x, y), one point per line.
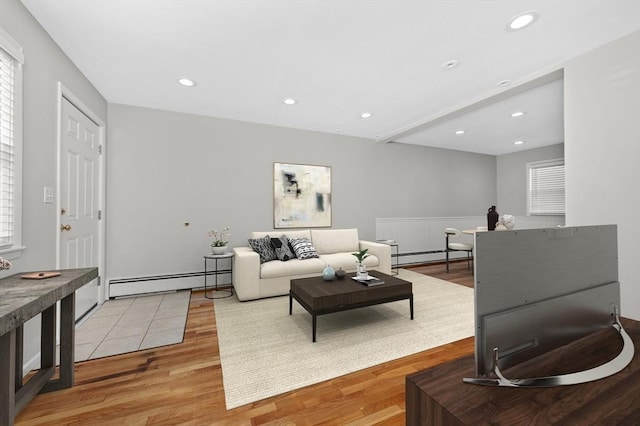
(293, 268)
(263, 247)
(283, 250)
(335, 240)
(303, 248)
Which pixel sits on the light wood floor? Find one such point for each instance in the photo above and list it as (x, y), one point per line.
(182, 384)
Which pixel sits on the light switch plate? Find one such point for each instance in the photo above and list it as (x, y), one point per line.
(48, 195)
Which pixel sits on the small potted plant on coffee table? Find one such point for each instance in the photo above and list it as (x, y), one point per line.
(361, 256)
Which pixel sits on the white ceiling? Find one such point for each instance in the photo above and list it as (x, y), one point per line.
(340, 58)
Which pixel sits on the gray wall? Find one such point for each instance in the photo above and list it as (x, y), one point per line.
(45, 65)
(511, 171)
(602, 150)
(168, 168)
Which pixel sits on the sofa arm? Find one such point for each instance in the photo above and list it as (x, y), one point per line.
(246, 273)
(381, 251)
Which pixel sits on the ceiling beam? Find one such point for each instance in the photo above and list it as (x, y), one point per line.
(522, 86)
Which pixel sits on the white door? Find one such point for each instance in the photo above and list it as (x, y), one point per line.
(79, 199)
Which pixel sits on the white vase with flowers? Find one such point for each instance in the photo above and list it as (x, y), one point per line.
(220, 240)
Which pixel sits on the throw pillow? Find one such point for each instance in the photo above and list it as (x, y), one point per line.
(263, 247)
(282, 248)
(303, 248)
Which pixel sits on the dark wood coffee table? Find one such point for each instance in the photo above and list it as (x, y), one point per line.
(321, 297)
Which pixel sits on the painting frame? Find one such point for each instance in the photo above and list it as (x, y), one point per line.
(301, 196)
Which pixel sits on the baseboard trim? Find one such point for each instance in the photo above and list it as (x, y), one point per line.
(162, 283)
(32, 364)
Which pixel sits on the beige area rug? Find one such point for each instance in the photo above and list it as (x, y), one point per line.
(266, 352)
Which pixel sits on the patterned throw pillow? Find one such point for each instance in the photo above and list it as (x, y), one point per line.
(263, 247)
(303, 248)
(283, 250)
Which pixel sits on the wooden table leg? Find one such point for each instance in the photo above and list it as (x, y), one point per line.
(7, 377)
(67, 339)
(37, 381)
(19, 356)
(411, 304)
(48, 337)
(314, 327)
(67, 344)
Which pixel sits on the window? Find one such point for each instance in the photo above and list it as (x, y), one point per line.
(545, 190)
(11, 60)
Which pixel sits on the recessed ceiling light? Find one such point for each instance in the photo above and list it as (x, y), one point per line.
(366, 115)
(522, 20)
(460, 132)
(503, 83)
(449, 65)
(517, 114)
(518, 142)
(290, 101)
(186, 82)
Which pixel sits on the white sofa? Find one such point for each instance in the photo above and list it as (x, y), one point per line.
(253, 280)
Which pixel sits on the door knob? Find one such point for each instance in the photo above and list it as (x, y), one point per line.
(65, 227)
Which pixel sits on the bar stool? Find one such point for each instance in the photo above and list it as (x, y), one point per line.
(454, 246)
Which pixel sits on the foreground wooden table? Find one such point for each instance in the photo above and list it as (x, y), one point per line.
(437, 396)
(21, 300)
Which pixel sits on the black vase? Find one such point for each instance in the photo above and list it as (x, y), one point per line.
(492, 218)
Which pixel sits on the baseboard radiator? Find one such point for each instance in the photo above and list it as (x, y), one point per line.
(121, 287)
(421, 239)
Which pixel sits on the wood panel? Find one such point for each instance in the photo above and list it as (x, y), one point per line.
(182, 384)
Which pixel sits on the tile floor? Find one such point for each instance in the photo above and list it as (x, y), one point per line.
(131, 324)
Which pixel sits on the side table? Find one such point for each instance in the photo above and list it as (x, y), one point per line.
(392, 243)
(215, 272)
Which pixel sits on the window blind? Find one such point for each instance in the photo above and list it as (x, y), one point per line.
(7, 143)
(546, 187)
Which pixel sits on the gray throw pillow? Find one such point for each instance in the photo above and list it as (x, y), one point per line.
(282, 248)
(263, 247)
(303, 248)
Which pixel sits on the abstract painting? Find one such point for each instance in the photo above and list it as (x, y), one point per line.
(301, 196)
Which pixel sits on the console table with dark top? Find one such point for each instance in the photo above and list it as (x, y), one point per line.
(438, 396)
(21, 300)
(320, 297)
